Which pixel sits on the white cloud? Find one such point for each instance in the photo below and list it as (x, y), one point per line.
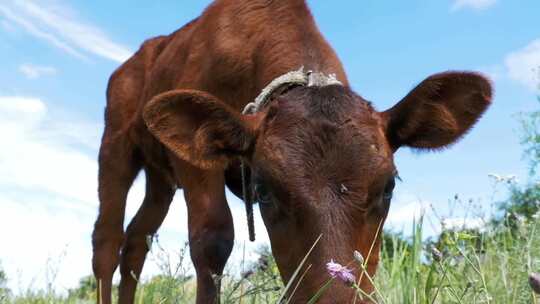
(523, 65)
(24, 106)
(58, 26)
(401, 216)
(472, 4)
(32, 71)
(462, 223)
(36, 229)
(34, 30)
(46, 187)
(405, 214)
(406, 207)
(36, 154)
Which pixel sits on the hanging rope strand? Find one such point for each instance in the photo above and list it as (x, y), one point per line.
(248, 201)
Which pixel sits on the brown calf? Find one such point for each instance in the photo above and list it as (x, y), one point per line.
(320, 158)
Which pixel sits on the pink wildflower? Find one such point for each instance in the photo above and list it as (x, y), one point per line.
(341, 272)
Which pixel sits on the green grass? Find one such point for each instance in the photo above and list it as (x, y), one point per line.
(488, 267)
(491, 266)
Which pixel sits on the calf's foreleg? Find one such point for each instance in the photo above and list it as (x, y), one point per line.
(211, 231)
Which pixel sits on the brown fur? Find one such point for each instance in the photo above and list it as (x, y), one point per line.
(173, 110)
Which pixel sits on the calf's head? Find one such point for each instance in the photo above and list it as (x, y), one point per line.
(321, 160)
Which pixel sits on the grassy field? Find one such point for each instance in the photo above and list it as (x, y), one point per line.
(491, 265)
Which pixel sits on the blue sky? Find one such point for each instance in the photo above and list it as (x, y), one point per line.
(57, 55)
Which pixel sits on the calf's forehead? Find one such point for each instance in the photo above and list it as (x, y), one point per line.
(321, 141)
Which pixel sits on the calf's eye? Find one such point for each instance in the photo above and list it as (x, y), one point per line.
(262, 194)
(389, 189)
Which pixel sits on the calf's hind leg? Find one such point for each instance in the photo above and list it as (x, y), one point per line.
(211, 231)
(118, 167)
(159, 194)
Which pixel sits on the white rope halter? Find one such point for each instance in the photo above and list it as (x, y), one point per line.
(298, 77)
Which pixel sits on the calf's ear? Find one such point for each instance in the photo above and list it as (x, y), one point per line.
(439, 111)
(199, 128)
